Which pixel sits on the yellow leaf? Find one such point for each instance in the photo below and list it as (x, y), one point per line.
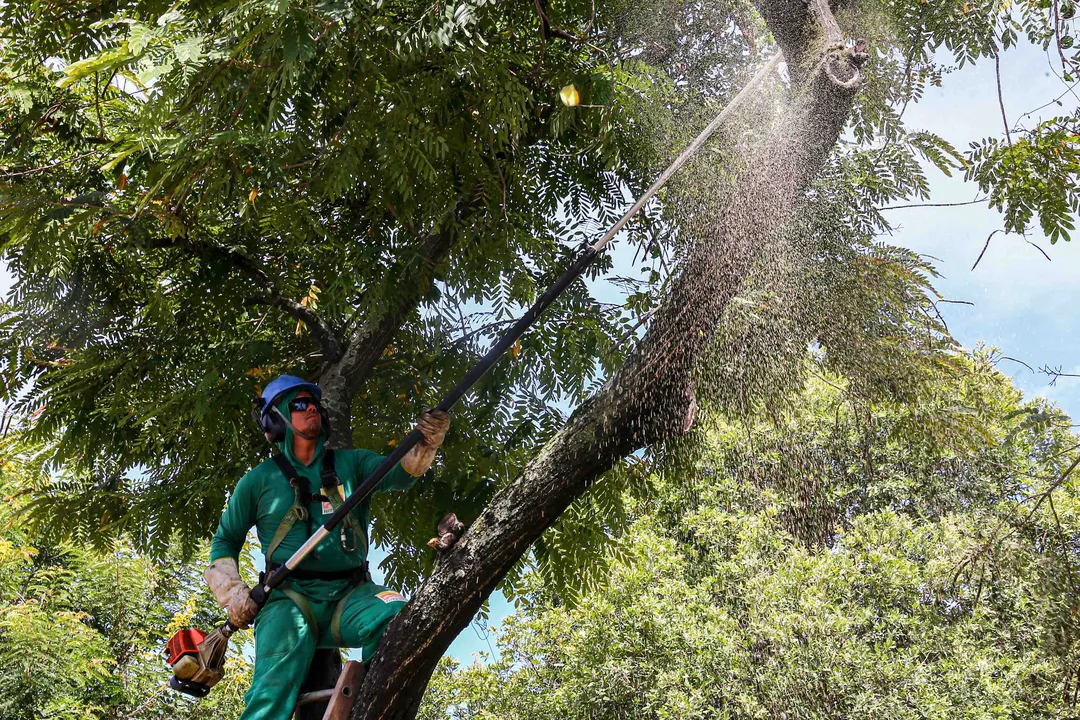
(311, 299)
(392, 443)
(98, 226)
(516, 349)
(252, 195)
(569, 96)
(121, 182)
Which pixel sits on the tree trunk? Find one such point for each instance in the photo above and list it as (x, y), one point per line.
(650, 398)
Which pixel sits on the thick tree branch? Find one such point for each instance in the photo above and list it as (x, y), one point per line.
(267, 291)
(343, 379)
(650, 398)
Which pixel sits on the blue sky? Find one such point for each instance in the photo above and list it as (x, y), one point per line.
(1023, 304)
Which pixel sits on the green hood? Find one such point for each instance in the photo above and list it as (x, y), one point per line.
(286, 445)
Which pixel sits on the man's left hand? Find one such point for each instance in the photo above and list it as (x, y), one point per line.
(433, 424)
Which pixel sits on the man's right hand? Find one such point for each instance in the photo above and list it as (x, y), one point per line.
(242, 610)
(231, 592)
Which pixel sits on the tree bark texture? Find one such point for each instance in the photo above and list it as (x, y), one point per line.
(650, 398)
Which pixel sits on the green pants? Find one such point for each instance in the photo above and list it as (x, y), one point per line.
(286, 636)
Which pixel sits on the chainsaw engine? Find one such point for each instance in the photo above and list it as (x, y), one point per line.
(194, 671)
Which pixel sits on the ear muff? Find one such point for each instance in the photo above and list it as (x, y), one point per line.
(273, 426)
(270, 423)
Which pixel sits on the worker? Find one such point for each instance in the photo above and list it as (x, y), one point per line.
(329, 601)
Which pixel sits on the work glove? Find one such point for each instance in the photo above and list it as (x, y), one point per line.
(433, 424)
(231, 592)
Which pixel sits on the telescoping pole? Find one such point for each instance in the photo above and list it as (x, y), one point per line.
(260, 593)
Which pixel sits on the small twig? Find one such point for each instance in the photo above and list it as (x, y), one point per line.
(958, 302)
(546, 30)
(1038, 248)
(978, 259)
(918, 205)
(641, 321)
(1055, 374)
(46, 167)
(940, 317)
(1006, 357)
(1045, 494)
(1001, 98)
(1068, 90)
(482, 329)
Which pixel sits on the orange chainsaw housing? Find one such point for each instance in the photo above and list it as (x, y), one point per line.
(184, 642)
(196, 668)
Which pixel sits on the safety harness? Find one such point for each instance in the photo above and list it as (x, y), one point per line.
(332, 493)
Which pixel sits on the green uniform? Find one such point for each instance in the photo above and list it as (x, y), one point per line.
(306, 614)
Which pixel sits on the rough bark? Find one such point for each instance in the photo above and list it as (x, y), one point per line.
(342, 379)
(650, 398)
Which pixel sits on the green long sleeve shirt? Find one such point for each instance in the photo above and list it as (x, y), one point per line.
(263, 497)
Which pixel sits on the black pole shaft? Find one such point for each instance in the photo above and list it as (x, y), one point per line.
(409, 442)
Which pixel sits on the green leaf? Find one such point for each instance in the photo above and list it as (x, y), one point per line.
(139, 38)
(189, 51)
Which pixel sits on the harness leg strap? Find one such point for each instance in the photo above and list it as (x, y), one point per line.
(305, 608)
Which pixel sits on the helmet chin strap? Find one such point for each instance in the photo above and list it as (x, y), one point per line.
(293, 427)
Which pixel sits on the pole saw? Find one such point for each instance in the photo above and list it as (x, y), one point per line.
(197, 659)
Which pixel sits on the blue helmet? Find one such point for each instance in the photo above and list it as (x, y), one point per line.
(270, 418)
(283, 384)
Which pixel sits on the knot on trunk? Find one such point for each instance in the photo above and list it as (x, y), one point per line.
(447, 533)
(841, 64)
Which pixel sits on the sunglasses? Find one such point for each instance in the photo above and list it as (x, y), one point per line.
(303, 403)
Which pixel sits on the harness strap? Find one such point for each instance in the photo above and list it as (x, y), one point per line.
(333, 496)
(361, 577)
(286, 525)
(333, 492)
(299, 509)
(305, 607)
(356, 578)
(335, 622)
(329, 470)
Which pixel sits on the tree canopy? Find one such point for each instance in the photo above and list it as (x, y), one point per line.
(197, 196)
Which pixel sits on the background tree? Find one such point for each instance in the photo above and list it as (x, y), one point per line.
(845, 559)
(82, 631)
